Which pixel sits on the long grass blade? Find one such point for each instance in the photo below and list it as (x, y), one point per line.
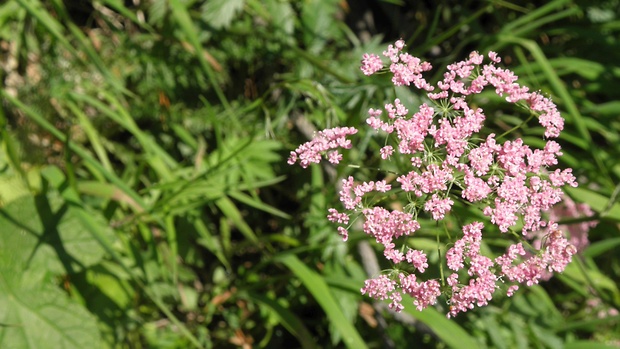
(447, 330)
(183, 19)
(319, 289)
(80, 151)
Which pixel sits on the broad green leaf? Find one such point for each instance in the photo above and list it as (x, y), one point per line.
(281, 15)
(54, 239)
(76, 235)
(34, 245)
(40, 315)
(22, 228)
(12, 187)
(112, 289)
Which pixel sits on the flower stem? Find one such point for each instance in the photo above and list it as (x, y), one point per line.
(516, 127)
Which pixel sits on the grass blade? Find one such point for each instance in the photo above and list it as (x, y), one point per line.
(180, 14)
(81, 152)
(288, 319)
(319, 289)
(92, 134)
(447, 330)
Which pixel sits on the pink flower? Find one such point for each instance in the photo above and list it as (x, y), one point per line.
(344, 233)
(335, 216)
(418, 259)
(396, 110)
(438, 207)
(382, 186)
(386, 152)
(379, 288)
(371, 64)
(426, 294)
(412, 132)
(386, 226)
(493, 56)
(407, 70)
(334, 157)
(310, 152)
(439, 154)
(433, 179)
(482, 158)
(511, 157)
(476, 189)
(550, 117)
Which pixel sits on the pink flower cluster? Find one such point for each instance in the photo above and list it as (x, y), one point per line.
(323, 143)
(512, 184)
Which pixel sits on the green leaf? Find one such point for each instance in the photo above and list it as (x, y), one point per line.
(53, 239)
(282, 15)
(181, 15)
(447, 330)
(82, 152)
(601, 247)
(588, 345)
(599, 203)
(231, 211)
(317, 17)
(257, 204)
(37, 313)
(41, 315)
(220, 13)
(608, 109)
(594, 278)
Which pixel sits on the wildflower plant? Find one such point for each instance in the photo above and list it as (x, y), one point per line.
(449, 160)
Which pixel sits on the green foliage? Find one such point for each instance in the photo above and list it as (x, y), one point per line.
(44, 238)
(145, 200)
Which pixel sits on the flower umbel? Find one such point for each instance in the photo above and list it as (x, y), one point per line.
(451, 160)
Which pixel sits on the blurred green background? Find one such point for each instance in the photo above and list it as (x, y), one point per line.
(145, 199)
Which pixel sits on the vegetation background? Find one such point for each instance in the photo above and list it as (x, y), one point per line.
(144, 192)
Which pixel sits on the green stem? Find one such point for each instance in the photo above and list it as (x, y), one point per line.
(516, 127)
(441, 273)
